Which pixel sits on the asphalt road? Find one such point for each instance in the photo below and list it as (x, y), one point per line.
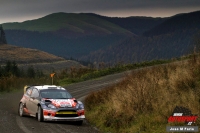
(10, 122)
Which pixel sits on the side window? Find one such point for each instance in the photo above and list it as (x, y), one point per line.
(28, 92)
(35, 93)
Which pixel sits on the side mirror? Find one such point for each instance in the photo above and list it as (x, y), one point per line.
(75, 101)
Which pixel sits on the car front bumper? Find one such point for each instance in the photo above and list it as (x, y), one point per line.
(63, 115)
(52, 118)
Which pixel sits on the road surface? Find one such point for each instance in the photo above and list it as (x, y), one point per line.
(10, 122)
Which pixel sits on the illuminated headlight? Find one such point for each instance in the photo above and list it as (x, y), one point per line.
(51, 106)
(80, 106)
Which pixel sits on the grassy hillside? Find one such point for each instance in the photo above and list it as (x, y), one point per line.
(25, 55)
(145, 99)
(40, 60)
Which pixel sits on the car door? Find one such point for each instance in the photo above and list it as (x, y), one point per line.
(27, 99)
(33, 101)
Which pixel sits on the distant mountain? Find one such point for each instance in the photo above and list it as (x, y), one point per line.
(95, 38)
(66, 34)
(179, 22)
(69, 24)
(139, 49)
(137, 25)
(172, 38)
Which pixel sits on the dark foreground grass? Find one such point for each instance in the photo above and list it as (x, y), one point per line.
(144, 100)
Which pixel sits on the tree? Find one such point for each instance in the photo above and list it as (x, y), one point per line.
(2, 36)
(1, 71)
(30, 72)
(7, 69)
(14, 69)
(196, 42)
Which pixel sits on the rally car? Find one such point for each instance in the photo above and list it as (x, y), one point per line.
(51, 103)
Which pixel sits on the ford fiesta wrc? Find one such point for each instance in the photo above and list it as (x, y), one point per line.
(51, 103)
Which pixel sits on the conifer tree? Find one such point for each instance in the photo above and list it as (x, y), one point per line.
(2, 36)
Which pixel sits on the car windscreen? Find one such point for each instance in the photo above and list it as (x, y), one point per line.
(55, 94)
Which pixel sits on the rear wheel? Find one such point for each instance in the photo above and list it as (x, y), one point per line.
(21, 110)
(40, 114)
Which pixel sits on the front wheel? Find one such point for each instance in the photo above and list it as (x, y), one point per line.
(21, 110)
(40, 114)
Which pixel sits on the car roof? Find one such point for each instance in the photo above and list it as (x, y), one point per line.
(44, 87)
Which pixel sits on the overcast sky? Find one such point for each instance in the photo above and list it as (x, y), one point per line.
(21, 10)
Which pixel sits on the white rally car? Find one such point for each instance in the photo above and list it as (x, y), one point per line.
(51, 103)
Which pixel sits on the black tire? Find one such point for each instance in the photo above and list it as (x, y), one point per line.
(21, 110)
(40, 117)
(79, 123)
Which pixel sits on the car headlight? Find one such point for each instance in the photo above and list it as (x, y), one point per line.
(51, 106)
(43, 106)
(79, 105)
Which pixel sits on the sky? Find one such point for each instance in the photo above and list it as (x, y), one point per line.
(22, 10)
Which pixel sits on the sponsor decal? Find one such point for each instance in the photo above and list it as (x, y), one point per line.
(63, 103)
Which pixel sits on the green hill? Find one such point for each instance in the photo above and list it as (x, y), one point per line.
(75, 23)
(65, 34)
(95, 38)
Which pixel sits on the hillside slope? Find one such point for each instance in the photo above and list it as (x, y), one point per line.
(70, 23)
(180, 22)
(173, 38)
(148, 96)
(136, 24)
(96, 38)
(66, 34)
(25, 57)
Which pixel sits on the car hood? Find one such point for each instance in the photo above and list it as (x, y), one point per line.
(63, 102)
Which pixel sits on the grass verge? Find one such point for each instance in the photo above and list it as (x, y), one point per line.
(144, 100)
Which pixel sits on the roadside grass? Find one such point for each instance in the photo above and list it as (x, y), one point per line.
(144, 100)
(74, 75)
(8, 84)
(84, 74)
